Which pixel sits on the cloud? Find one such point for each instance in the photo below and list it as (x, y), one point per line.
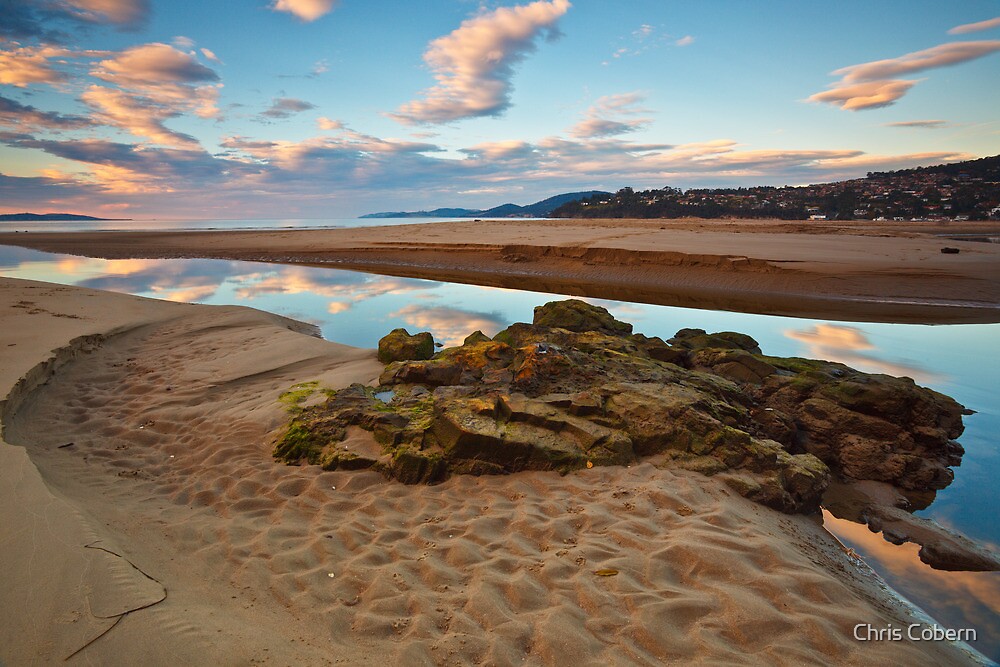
(474, 64)
(151, 66)
(975, 27)
(325, 123)
(27, 118)
(927, 124)
(686, 40)
(286, 107)
(307, 10)
(335, 307)
(210, 55)
(867, 95)
(155, 82)
(129, 13)
(604, 118)
(44, 20)
(871, 85)
(117, 168)
(943, 55)
(25, 65)
(450, 325)
(850, 345)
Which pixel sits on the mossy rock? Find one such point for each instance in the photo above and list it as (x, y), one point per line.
(577, 388)
(579, 316)
(399, 345)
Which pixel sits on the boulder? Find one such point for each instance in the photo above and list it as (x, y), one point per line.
(579, 316)
(399, 345)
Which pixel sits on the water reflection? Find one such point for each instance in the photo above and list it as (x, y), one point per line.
(450, 325)
(850, 345)
(958, 599)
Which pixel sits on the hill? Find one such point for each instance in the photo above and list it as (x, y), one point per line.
(49, 217)
(539, 209)
(967, 190)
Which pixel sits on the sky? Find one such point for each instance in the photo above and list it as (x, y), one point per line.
(257, 109)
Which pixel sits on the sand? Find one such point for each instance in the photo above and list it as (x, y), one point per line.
(215, 554)
(861, 271)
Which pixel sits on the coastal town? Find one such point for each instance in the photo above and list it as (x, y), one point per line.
(952, 192)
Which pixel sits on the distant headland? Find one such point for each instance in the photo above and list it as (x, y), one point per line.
(539, 209)
(50, 217)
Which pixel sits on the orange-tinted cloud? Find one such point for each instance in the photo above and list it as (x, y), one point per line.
(24, 65)
(975, 27)
(135, 115)
(307, 10)
(865, 95)
(873, 84)
(154, 82)
(325, 123)
(474, 64)
(943, 55)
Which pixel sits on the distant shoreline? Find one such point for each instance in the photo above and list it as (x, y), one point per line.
(55, 217)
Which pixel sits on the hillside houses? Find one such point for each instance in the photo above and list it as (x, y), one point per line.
(963, 191)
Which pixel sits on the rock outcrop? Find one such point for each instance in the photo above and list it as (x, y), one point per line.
(576, 388)
(399, 345)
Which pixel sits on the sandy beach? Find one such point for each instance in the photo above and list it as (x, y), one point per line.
(139, 494)
(888, 272)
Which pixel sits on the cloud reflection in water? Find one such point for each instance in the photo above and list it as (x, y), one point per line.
(848, 345)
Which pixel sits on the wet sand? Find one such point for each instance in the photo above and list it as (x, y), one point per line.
(168, 512)
(886, 272)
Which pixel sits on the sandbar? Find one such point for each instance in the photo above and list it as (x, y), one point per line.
(857, 271)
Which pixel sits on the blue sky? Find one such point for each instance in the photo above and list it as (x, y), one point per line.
(334, 108)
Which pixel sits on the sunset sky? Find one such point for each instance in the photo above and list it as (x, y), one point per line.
(335, 108)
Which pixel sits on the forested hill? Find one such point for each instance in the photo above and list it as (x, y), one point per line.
(960, 191)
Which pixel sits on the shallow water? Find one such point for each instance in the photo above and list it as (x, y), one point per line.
(206, 225)
(358, 308)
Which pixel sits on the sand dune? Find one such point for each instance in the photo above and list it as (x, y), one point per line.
(857, 271)
(171, 408)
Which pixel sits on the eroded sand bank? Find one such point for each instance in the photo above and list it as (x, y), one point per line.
(171, 409)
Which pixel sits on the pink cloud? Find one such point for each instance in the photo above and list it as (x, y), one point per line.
(22, 66)
(988, 24)
(943, 55)
(121, 12)
(307, 10)
(871, 85)
(866, 95)
(474, 64)
(155, 82)
(135, 115)
(325, 123)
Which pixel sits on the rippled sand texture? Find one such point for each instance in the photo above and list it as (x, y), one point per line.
(170, 423)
